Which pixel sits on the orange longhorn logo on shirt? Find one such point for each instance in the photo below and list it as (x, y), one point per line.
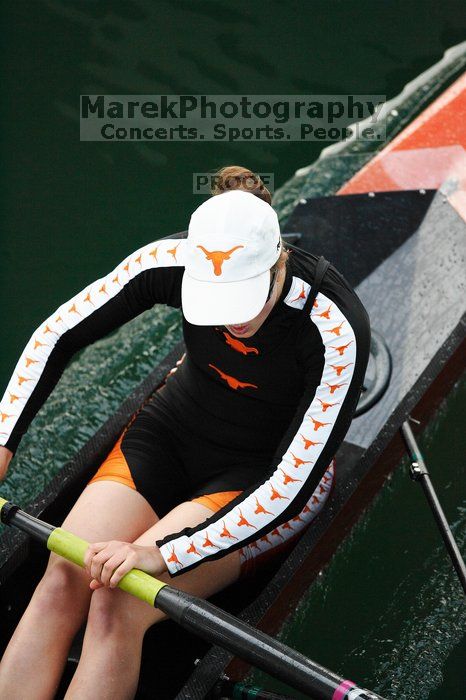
(301, 295)
(341, 348)
(276, 494)
(226, 533)
(334, 387)
(30, 362)
(260, 508)
(335, 330)
(339, 368)
(288, 478)
(173, 558)
(218, 257)
(192, 549)
(326, 313)
(231, 381)
(207, 542)
(238, 345)
(172, 251)
(326, 405)
(309, 443)
(4, 416)
(318, 424)
(22, 379)
(276, 533)
(298, 461)
(74, 310)
(242, 521)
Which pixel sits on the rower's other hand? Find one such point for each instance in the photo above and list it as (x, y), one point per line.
(107, 562)
(6, 456)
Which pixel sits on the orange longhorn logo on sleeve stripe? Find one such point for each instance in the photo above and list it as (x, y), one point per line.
(276, 494)
(260, 508)
(326, 405)
(317, 423)
(334, 387)
(335, 330)
(226, 533)
(309, 443)
(218, 257)
(339, 368)
(287, 478)
(298, 461)
(276, 533)
(341, 348)
(207, 542)
(173, 558)
(173, 250)
(242, 521)
(192, 549)
(301, 295)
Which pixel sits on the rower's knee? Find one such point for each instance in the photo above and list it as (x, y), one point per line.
(61, 589)
(113, 613)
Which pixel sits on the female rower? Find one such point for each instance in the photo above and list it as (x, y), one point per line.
(222, 465)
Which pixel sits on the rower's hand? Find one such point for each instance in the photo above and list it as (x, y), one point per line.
(107, 562)
(5, 459)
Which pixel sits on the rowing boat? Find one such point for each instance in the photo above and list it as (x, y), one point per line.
(379, 224)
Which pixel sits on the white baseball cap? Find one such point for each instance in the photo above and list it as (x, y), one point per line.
(233, 241)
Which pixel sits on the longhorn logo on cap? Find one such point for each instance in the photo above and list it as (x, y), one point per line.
(218, 257)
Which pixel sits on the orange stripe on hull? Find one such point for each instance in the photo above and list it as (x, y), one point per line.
(431, 150)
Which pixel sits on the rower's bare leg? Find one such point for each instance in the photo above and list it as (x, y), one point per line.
(111, 655)
(35, 657)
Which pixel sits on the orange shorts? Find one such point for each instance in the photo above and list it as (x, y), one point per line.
(115, 468)
(253, 555)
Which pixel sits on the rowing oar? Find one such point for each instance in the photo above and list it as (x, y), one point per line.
(418, 472)
(201, 617)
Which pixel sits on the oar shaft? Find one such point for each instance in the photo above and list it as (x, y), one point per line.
(252, 645)
(202, 618)
(420, 473)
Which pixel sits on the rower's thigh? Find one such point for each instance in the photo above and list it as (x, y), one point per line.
(203, 581)
(209, 577)
(108, 510)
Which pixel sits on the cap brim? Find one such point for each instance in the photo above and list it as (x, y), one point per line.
(223, 303)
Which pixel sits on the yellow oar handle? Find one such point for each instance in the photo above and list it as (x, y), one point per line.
(73, 548)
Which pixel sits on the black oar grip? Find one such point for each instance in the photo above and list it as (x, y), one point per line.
(8, 510)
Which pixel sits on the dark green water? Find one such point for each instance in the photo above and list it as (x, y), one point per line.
(388, 612)
(70, 211)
